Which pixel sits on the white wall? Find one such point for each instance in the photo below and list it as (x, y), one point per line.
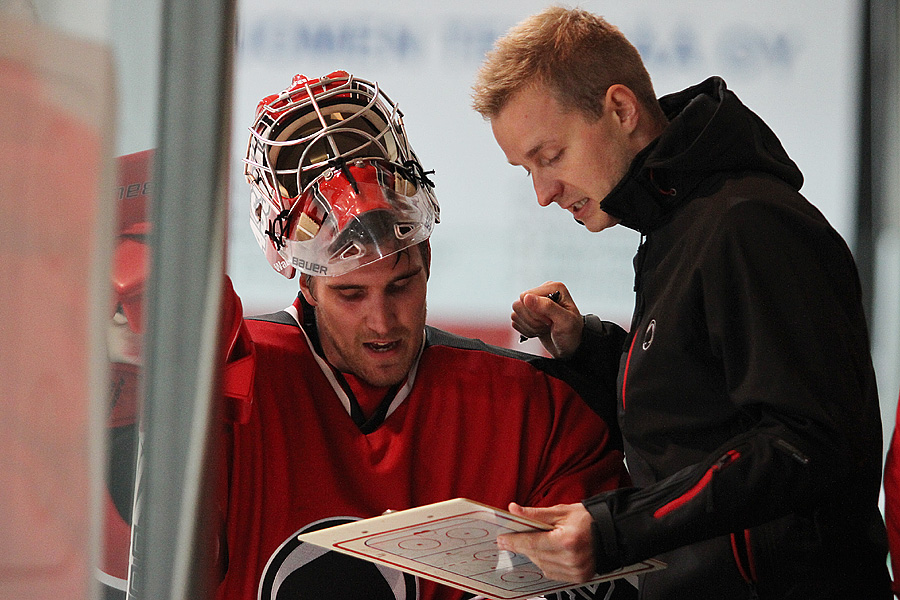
(494, 241)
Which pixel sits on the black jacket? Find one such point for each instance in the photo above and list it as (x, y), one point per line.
(747, 397)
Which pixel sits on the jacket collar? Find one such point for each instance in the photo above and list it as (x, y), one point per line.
(710, 133)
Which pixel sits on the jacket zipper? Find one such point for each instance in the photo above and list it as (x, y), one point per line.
(638, 308)
(625, 373)
(725, 460)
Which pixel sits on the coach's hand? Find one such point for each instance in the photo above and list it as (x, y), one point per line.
(566, 552)
(549, 313)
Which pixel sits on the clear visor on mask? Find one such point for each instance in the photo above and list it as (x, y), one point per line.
(352, 215)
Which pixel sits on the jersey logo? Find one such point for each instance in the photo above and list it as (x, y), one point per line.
(300, 570)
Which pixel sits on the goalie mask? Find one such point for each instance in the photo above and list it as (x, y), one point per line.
(334, 182)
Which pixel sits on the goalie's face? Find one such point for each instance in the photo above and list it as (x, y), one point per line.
(371, 320)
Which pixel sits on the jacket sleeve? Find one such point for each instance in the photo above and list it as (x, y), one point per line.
(595, 366)
(599, 352)
(780, 300)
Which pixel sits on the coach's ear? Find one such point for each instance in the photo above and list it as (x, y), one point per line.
(624, 105)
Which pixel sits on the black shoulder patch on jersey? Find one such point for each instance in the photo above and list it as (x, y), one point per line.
(282, 316)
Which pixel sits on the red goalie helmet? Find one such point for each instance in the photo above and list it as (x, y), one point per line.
(334, 182)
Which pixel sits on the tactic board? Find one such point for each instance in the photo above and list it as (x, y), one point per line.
(454, 543)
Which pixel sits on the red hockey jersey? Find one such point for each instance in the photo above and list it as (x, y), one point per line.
(470, 421)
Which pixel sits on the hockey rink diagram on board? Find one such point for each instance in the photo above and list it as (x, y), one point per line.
(454, 543)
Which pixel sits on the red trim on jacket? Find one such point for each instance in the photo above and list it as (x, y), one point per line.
(728, 458)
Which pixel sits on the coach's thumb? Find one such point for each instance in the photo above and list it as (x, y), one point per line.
(531, 512)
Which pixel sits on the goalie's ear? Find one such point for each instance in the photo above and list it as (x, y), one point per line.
(306, 289)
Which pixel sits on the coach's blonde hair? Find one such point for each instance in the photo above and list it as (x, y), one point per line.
(577, 54)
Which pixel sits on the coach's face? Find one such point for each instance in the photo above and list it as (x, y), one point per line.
(371, 321)
(573, 159)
